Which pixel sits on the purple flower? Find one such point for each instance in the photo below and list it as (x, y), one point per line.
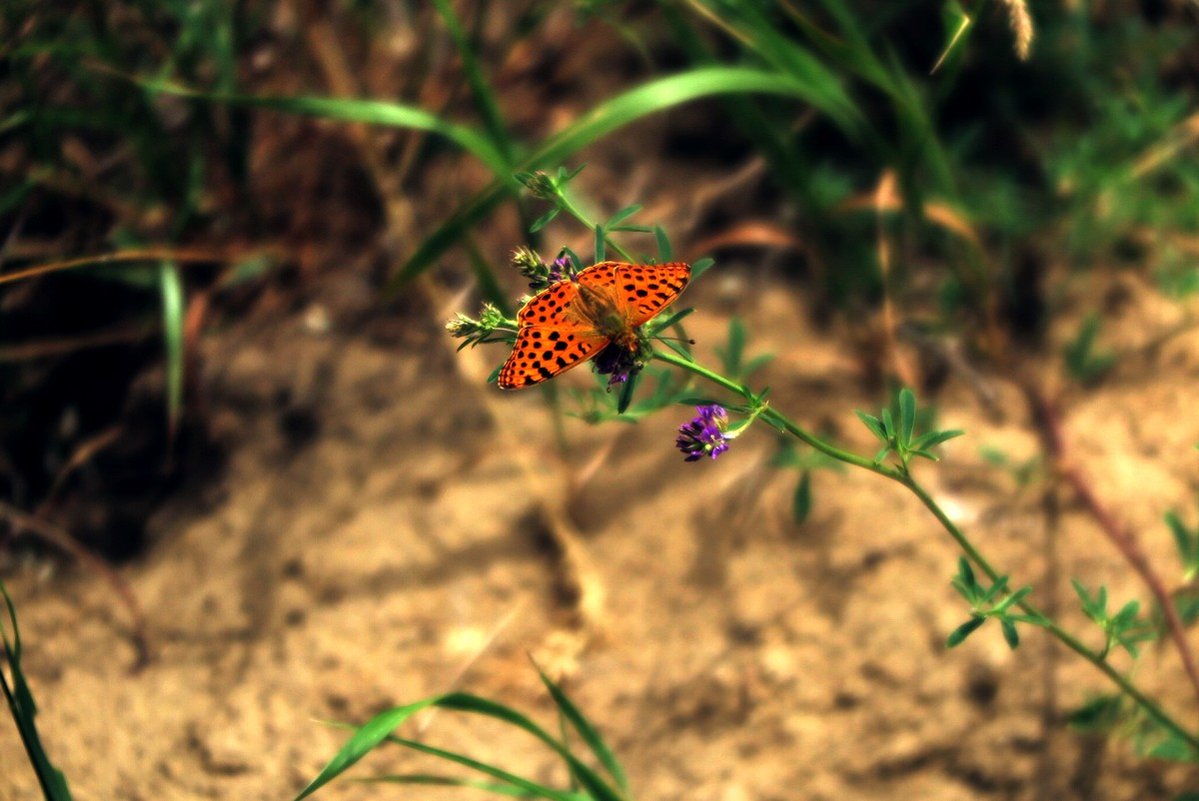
(540, 274)
(704, 435)
(559, 270)
(616, 362)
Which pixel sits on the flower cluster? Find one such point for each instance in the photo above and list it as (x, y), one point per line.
(620, 362)
(539, 184)
(705, 435)
(476, 331)
(539, 273)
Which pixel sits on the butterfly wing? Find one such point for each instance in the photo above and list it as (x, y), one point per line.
(549, 306)
(549, 339)
(542, 351)
(555, 334)
(640, 291)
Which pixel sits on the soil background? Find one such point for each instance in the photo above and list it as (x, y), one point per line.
(386, 526)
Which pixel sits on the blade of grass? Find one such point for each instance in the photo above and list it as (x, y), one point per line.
(21, 705)
(749, 25)
(611, 115)
(529, 787)
(374, 112)
(485, 278)
(148, 255)
(753, 123)
(364, 740)
(380, 728)
(450, 781)
(173, 308)
(589, 733)
(484, 98)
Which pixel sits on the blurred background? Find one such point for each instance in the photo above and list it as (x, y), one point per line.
(247, 482)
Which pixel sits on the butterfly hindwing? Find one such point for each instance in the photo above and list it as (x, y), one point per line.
(543, 351)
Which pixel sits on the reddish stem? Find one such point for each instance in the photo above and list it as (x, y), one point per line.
(1049, 423)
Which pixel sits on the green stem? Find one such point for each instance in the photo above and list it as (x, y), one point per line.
(573, 211)
(902, 476)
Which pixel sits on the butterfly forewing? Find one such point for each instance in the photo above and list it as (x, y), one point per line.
(549, 305)
(543, 351)
(641, 291)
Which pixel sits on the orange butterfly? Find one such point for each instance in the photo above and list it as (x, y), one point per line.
(571, 321)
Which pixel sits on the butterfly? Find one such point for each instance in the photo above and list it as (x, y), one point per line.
(571, 321)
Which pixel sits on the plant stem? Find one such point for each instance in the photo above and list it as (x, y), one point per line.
(1053, 439)
(573, 211)
(902, 476)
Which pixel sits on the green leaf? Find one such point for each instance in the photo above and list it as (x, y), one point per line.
(1183, 541)
(1013, 599)
(1099, 714)
(731, 354)
(544, 220)
(622, 215)
(996, 589)
(1127, 613)
(1084, 364)
(1010, 634)
(575, 262)
(888, 425)
(673, 319)
(701, 267)
(626, 392)
(600, 245)
(1082, 593)
(873, 423)
(1176, 749)
(966, 573)
(565, 176)
(757, 363)
(907, 416)
(934, 438)
(959, 635)
(801, 504)
(665, 251)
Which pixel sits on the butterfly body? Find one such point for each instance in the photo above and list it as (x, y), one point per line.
(573, 320)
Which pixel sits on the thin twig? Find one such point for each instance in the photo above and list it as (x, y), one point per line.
(133, 255)
(1049, 423)
(24, 522)
(885, 194)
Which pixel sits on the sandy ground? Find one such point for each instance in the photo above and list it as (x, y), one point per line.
(384, 527)
(375, 538)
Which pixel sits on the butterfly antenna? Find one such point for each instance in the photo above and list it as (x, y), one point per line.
(688, 340)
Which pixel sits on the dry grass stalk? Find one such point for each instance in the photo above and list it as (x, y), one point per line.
(1020, 21)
